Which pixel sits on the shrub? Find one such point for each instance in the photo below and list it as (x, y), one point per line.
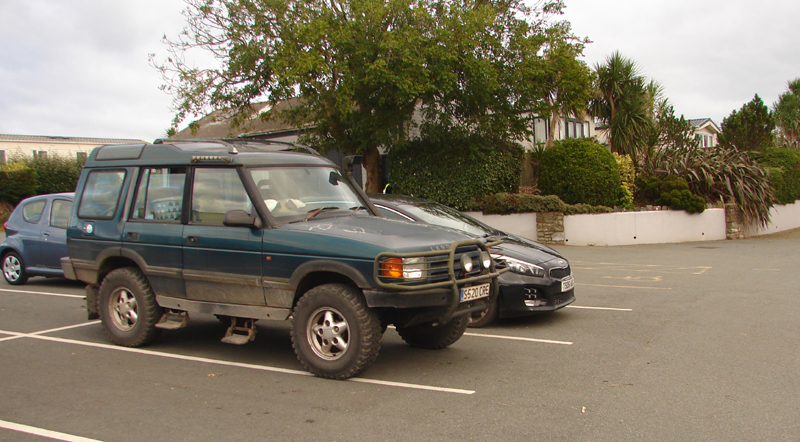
(506, 203)
(671, 191)
(455, 167)
(580, 171)
(783, 166)
(17, 182)
(55, 173)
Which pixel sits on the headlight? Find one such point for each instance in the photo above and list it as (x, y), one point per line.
(521, 267)
(486, 260)
(466, 263)
(406, 268)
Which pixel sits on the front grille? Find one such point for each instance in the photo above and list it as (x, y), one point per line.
(560, 273)
(561, 298)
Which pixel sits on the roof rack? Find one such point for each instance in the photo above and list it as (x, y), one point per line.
(234, 143)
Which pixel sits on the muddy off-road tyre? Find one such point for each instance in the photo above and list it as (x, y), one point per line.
(128, 308)
(434, 337)
(334, 334)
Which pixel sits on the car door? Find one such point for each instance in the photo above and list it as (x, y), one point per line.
(53, 240)
(221, 263)
(154, 231)
(30, 231)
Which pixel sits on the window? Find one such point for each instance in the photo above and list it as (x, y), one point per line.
(160, 195)
(32, 212)
(60, 213)
(101, 194)
(215, 192)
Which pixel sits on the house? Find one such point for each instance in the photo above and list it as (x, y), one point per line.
(706, 131)
(38, 145)
(217, 125)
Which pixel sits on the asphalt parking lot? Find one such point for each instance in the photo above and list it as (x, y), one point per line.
(677, 342)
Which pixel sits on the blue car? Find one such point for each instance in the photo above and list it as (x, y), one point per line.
(540, 279)
(36, 237)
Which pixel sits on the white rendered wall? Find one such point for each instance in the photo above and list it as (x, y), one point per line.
(657, 227)
(781, 218)
(520, 224)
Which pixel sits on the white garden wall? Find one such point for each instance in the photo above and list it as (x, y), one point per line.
(656, 227)
(520, 224)
(781, 218)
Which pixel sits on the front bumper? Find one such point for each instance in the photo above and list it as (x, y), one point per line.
(522, 296)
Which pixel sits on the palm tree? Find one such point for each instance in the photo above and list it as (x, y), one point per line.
(624, 102)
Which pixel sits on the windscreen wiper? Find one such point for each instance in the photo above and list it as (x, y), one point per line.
(313, 213)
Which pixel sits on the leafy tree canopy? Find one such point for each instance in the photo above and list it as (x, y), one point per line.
(361, 68)
(749, 129)
(787, 115)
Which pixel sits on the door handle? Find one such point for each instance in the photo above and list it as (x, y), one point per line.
(132, 236)
(193, 240)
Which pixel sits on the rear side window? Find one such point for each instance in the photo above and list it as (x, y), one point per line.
(101, 194)
(160, 194)
(59, 214)
(32, 212)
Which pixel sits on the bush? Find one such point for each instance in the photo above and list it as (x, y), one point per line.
(506, 203)
(783, 166)
(455, 167)
(580, 171)
(671, 191)
(55, 173)
(17, 182)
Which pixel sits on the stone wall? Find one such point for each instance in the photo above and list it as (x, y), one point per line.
(550, 228)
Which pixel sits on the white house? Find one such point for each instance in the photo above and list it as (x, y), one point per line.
(36, 145)
(706, 132)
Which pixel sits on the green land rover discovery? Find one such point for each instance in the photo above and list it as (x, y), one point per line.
(248, 230)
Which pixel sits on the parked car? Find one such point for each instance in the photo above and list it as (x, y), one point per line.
(36, 237)
(540, 279)
(249, 230)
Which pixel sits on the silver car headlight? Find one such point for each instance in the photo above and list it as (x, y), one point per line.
(521, 267)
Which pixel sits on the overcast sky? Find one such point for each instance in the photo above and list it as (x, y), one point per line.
(80, 67)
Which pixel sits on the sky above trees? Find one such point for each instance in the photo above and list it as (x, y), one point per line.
(80, 68)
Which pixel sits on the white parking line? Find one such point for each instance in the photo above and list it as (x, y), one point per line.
(601, 308)
(25, 335)
(227, 363)
(624, 286)
(517, 338)
(44, 433)
(63, 295)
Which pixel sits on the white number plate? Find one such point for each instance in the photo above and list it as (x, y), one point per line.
(567, 284)
(475, 292)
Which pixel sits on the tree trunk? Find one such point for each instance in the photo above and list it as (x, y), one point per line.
(372, 163)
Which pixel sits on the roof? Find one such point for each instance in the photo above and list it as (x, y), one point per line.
(217, 124)
(208, 152)
(67, 140)
(700, 123)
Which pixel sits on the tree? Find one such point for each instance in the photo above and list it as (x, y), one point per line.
(749, 129)
(361, 69)
(566, 82)
(668, 132)
(624, 103)
(787, 115)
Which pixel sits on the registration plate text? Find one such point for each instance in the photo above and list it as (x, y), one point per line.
(475, 292)
(567, 284)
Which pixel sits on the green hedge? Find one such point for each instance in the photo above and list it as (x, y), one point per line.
(507, 203)
(672, 191)
(580, 171)
(783, 166)
(17, 182)
(55, 173)
(454, 167)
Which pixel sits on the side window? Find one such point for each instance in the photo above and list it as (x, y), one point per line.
(32, 212)
(216, 191)
(160, 195)
(59, 213)
(101, 194)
